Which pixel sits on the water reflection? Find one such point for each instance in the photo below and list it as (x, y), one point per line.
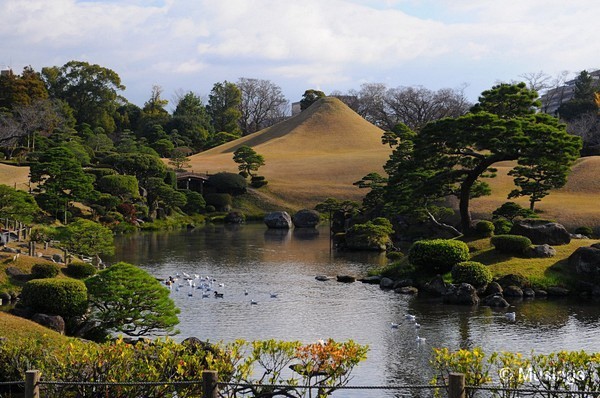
(252, 258)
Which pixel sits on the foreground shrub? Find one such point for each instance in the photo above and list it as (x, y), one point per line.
(372, 235)
(471, 272)
(326, 365)
(44, 270)
(437, 255)
(511, 244)
(258, 181)
(80, 270)
(485, 228)
(220, 201)
(64, 297)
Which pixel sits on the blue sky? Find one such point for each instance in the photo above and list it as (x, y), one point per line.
(188, 45)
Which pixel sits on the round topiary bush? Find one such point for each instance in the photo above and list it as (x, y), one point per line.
(64, 297)
(44, 270)
(79, 270)
(511, 244)
(437, 255)
(394, 256)
(502, 226)
(230, 183)
(471, 272)
(484, 228)
(220, 201)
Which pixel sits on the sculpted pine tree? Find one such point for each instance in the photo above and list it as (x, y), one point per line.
(126, 299)
(248, 160)
(450, 156)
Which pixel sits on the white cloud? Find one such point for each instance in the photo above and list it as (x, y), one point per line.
(402, 42)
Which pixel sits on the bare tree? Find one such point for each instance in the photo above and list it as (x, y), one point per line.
(417, 106)
(371, 103)
(263, 104)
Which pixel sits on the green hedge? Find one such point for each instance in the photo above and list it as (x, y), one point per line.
(511, 244)
(437, 255)
(81, 270)
(471, 272)
(502, 226)
(44, 270)
(221, 201)
(64, 297)
(485, 228)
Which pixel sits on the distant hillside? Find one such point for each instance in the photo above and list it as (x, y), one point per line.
(314, 155)
(574, 205)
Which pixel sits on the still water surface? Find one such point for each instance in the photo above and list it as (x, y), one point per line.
(260, 261)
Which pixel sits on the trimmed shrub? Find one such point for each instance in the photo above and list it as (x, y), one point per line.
(437, 255)
(512, 210)
(471, 272)
(485, 228)
(221, 201)
(80, 270)
(64, 297)
(587, 231)
(394, 256)
(44, 270)
(230, 183)
(502, 226)
(511, 244)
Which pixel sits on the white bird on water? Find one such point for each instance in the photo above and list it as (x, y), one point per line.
(410, 317)
(420, 340)
(394, 325)
(511, 316)
(253, 302)
(273, 295)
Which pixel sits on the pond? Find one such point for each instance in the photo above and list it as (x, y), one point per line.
(253, 259)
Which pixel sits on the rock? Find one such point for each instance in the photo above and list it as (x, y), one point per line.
(513, 291)
(495, 300)
(464, 294)
(528, 292)
(306, 219)
(371, 280)
(557, 291)
(54, 322)
(57, 258)
(9, 249)
(540, 293)
(5, 297)
(492, 289)
(234, 217)
(513, 280)
(541, 251)
(195, 345)
(17, 274)
(346, 278)
(322, 278)
(278, 220)
(436, 286)
(579, 236)
(411, 290)
(541, 231)
(585, 262)
(386, 283)
(403, 283)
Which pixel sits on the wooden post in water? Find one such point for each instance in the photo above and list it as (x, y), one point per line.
(32, 389)
(456, 385)
(209, 384)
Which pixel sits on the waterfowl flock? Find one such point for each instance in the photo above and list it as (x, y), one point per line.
(206, 285)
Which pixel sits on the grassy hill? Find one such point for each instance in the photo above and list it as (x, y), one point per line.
(14, 176)
(314, 155)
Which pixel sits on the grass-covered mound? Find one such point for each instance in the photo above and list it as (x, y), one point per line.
(541, 272)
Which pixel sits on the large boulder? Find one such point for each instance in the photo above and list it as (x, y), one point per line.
(585, 262)
(541, 251)
(437, 286)
(278, 220)
(54, 322)
(306, 219)
(495, 300)
(464, 294)
(541, 231)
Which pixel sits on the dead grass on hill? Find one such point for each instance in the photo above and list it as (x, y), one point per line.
(14, 176)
